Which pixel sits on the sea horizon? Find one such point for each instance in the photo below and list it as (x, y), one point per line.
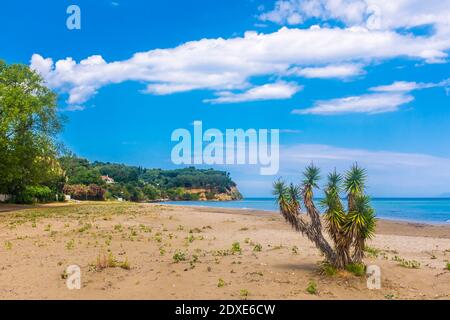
(431, 210)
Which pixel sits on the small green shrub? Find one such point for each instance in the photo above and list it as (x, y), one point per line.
(372, 252)
(36, 194)
(236, 247)
(328, 269)
(358, 269)
(125, 264)
(85, 227)
(257, 248)
(8, 245)
(179, 256)
(311, 288)
(70, 244)
(221, 283)
(244, 293)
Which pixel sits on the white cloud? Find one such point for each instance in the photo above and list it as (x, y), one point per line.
(387, 98)
(404, 86)
(330, 71)
(401, 86)
(367, 103)
(229, 64)
(72, 108)
(378, 14)
(294, 12)
(271, 91)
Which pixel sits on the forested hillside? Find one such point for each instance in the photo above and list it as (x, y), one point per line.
(141, 184)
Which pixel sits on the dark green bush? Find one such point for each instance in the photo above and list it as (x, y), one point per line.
(36, 194)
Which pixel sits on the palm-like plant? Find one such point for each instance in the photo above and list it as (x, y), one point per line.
(294, 197)
(282, 198)
(346, 229)
(360, 225)
(354, 184)
(334, 214)
(288, 206)
(336, 218)
(311, 177)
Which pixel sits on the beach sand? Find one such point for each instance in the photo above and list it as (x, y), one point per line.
(37, 244)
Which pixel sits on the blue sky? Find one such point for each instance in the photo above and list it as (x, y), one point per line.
(353, 82)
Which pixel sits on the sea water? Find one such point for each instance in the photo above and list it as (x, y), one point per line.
(429, 210)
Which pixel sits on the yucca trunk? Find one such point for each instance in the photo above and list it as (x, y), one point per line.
(351, 202)
(358, 253)
(311, 210)
(311, 232)
(343, 252)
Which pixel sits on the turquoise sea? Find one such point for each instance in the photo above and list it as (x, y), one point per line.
(429, 210)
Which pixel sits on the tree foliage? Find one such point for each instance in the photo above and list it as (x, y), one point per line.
(28, 127)
(348, 229)
(140, 184)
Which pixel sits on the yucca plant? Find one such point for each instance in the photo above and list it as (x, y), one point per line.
(360, 225)
(348, 230)
(336, 218)
(354, 184)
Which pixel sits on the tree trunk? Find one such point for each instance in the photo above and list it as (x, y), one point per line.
(358, 254)
(312, 232)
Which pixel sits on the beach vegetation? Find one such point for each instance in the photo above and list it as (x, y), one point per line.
(221, 283)
(410, 264)
(311, 288)
(236, 247)
(8, 245)
(244, 293)
(372, 252)
(328, 269)
(349, 228)
(221, 253)
(257, 248)
(70, 244)
(179, 256)
(358, 269)
(105, 260)
(125, 264)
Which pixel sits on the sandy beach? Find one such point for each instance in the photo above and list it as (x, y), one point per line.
(174, 252)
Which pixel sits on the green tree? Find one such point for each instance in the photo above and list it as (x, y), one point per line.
(28, 127)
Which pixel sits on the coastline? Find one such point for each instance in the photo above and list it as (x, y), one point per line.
(40, 242)
(384, 226)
